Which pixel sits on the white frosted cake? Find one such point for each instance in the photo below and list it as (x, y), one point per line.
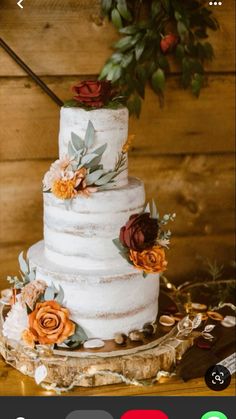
(103, 292)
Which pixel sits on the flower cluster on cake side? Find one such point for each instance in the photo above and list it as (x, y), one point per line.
(37, 315)
(142, 240)
(80, 172)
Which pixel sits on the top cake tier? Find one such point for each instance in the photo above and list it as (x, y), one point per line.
(111, 127)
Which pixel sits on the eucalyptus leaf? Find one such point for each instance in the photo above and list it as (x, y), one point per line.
(88, 158)
(71, 151)
(60, 295)
(23, 264)
(89, 135)
(118, 244)
(49, 294)
(80, 333)
(77, 142)
(91, 178)
(100, 150)
(32, 274)
(124, 253)
(94, 164)
(105, 179)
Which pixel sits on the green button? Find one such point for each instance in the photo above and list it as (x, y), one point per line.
(214, 415)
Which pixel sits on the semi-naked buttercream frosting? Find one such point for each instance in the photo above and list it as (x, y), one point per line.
(104, 293)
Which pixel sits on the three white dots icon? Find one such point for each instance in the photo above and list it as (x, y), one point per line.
(215, 3)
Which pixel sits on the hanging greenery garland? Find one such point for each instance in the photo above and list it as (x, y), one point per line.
(153, 31)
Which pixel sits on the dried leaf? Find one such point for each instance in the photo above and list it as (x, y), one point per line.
(207, 336)
(209, 328)
(197, 321)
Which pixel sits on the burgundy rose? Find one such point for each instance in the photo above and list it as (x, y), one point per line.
(169, 42)
(93, 93)
(140, 232)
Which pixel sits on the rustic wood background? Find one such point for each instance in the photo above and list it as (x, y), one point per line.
(183, 152)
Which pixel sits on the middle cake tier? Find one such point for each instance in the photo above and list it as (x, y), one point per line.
(81, 237)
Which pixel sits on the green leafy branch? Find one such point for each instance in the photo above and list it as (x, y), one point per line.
(139, 58)
(27, 274)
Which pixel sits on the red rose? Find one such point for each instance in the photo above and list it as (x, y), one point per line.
(140, 232)
(169, 42)
(93, 93)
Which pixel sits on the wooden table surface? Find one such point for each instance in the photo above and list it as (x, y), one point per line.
(13, 383)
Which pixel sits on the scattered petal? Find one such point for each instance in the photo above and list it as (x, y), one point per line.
(199, 307)
(215, 316)
(93, 344)
(229, 321)
(167, 321)
(40, 374)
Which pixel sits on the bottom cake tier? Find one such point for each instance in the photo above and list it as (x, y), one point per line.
(102, 302)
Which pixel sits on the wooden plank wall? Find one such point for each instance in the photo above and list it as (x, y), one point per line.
(183, 152)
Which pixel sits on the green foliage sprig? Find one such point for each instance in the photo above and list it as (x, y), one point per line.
(27, 273)
(141, 57)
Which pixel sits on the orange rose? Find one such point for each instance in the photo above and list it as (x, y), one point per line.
(150, 260)
(50, 323)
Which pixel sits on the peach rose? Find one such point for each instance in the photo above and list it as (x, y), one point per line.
(150, 260)
(50, 323)
(29, 338)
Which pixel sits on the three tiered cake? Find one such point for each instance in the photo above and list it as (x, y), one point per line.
(96, 274)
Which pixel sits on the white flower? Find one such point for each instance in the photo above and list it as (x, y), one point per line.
(16, 322)
(58, 170)
(164, 242)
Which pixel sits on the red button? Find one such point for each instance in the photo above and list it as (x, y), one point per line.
(144, 414)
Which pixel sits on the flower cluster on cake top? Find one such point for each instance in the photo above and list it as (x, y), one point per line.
(142, 240)
(80, 172)
(95, 94)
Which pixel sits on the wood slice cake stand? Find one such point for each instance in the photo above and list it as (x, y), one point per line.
(135, 363)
